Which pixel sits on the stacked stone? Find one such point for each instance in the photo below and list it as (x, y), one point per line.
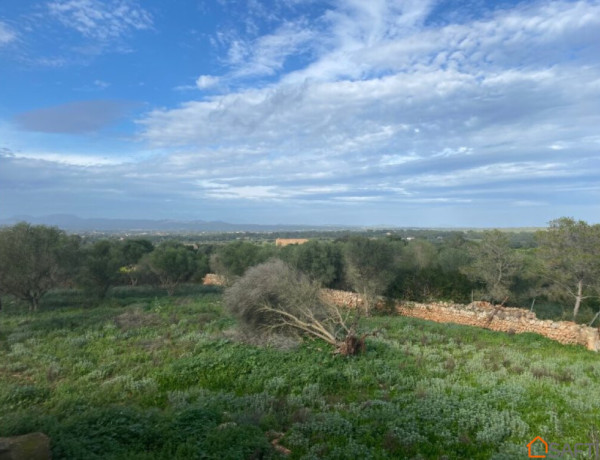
(486, 315)
(213, 280)
(341, 298)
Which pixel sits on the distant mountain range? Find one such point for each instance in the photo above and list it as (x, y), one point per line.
(78, 224)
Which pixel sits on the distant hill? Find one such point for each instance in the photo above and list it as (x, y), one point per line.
(78, 224)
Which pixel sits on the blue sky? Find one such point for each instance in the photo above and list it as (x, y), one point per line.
(409, 112)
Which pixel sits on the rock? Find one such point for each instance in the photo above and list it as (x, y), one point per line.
(212, 279)
(32, 446)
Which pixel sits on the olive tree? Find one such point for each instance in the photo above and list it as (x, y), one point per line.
(133, 250)
(370, 267)
(101, 266)
(231, 260)
(34, 259)
(273, 297)
(172, 263)
(493, 263)
(569, 251)
(321, 261)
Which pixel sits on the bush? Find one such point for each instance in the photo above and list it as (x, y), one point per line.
(274, 297)
(273, 284)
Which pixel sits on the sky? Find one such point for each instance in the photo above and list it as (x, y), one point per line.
(428, 113)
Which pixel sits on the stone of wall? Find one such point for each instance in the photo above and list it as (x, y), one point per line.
(504, 319)
(213, 280)
(488, 316)
(341, 298)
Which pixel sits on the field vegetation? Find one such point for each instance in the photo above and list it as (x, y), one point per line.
(143, 376)
(114, 348)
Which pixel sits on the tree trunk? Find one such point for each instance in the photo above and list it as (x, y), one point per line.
(365, 299)
(170, 287)
(578, 298)
(34, 302)
(352, 345)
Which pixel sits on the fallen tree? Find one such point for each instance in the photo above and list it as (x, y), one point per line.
(275, 298)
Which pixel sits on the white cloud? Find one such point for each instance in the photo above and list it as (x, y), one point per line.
(101, 20)
(452, 152)
(495, 172)
(247, 192)
(68, 159)
(380, 42)
(372, 105)
(394, 160)
(267, 54)
(7, 34)
(206, 81)
(51, 62)
(397, 110)
(101, 84)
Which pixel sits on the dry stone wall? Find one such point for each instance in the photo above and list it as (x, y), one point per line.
(480, 314)
(488, 316)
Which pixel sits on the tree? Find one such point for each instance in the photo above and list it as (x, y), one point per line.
(34, 259)
(369, 267)
(172, 263)
(570, 254)
(493, 263)
(133, 250)
(231, 260)
(453, 255)
(275, 298)
(202, 266)
(321, 261)
(419, 254)
(430, 272)
(102, 262)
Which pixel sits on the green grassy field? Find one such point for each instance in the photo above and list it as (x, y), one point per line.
(148, 377)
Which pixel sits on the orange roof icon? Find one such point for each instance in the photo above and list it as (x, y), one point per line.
(533, 441)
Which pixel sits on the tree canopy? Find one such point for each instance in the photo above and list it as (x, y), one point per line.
(232, 260)
(173, 264)
(34, 259)
(494, 264)
(101, 267)
(369, 266)
(320, 260)
(570, 254)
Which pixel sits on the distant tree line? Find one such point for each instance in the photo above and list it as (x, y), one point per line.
(518, 238)
(36, 259)
(559, 264)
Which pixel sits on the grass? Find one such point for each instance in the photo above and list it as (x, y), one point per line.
(148, 377)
